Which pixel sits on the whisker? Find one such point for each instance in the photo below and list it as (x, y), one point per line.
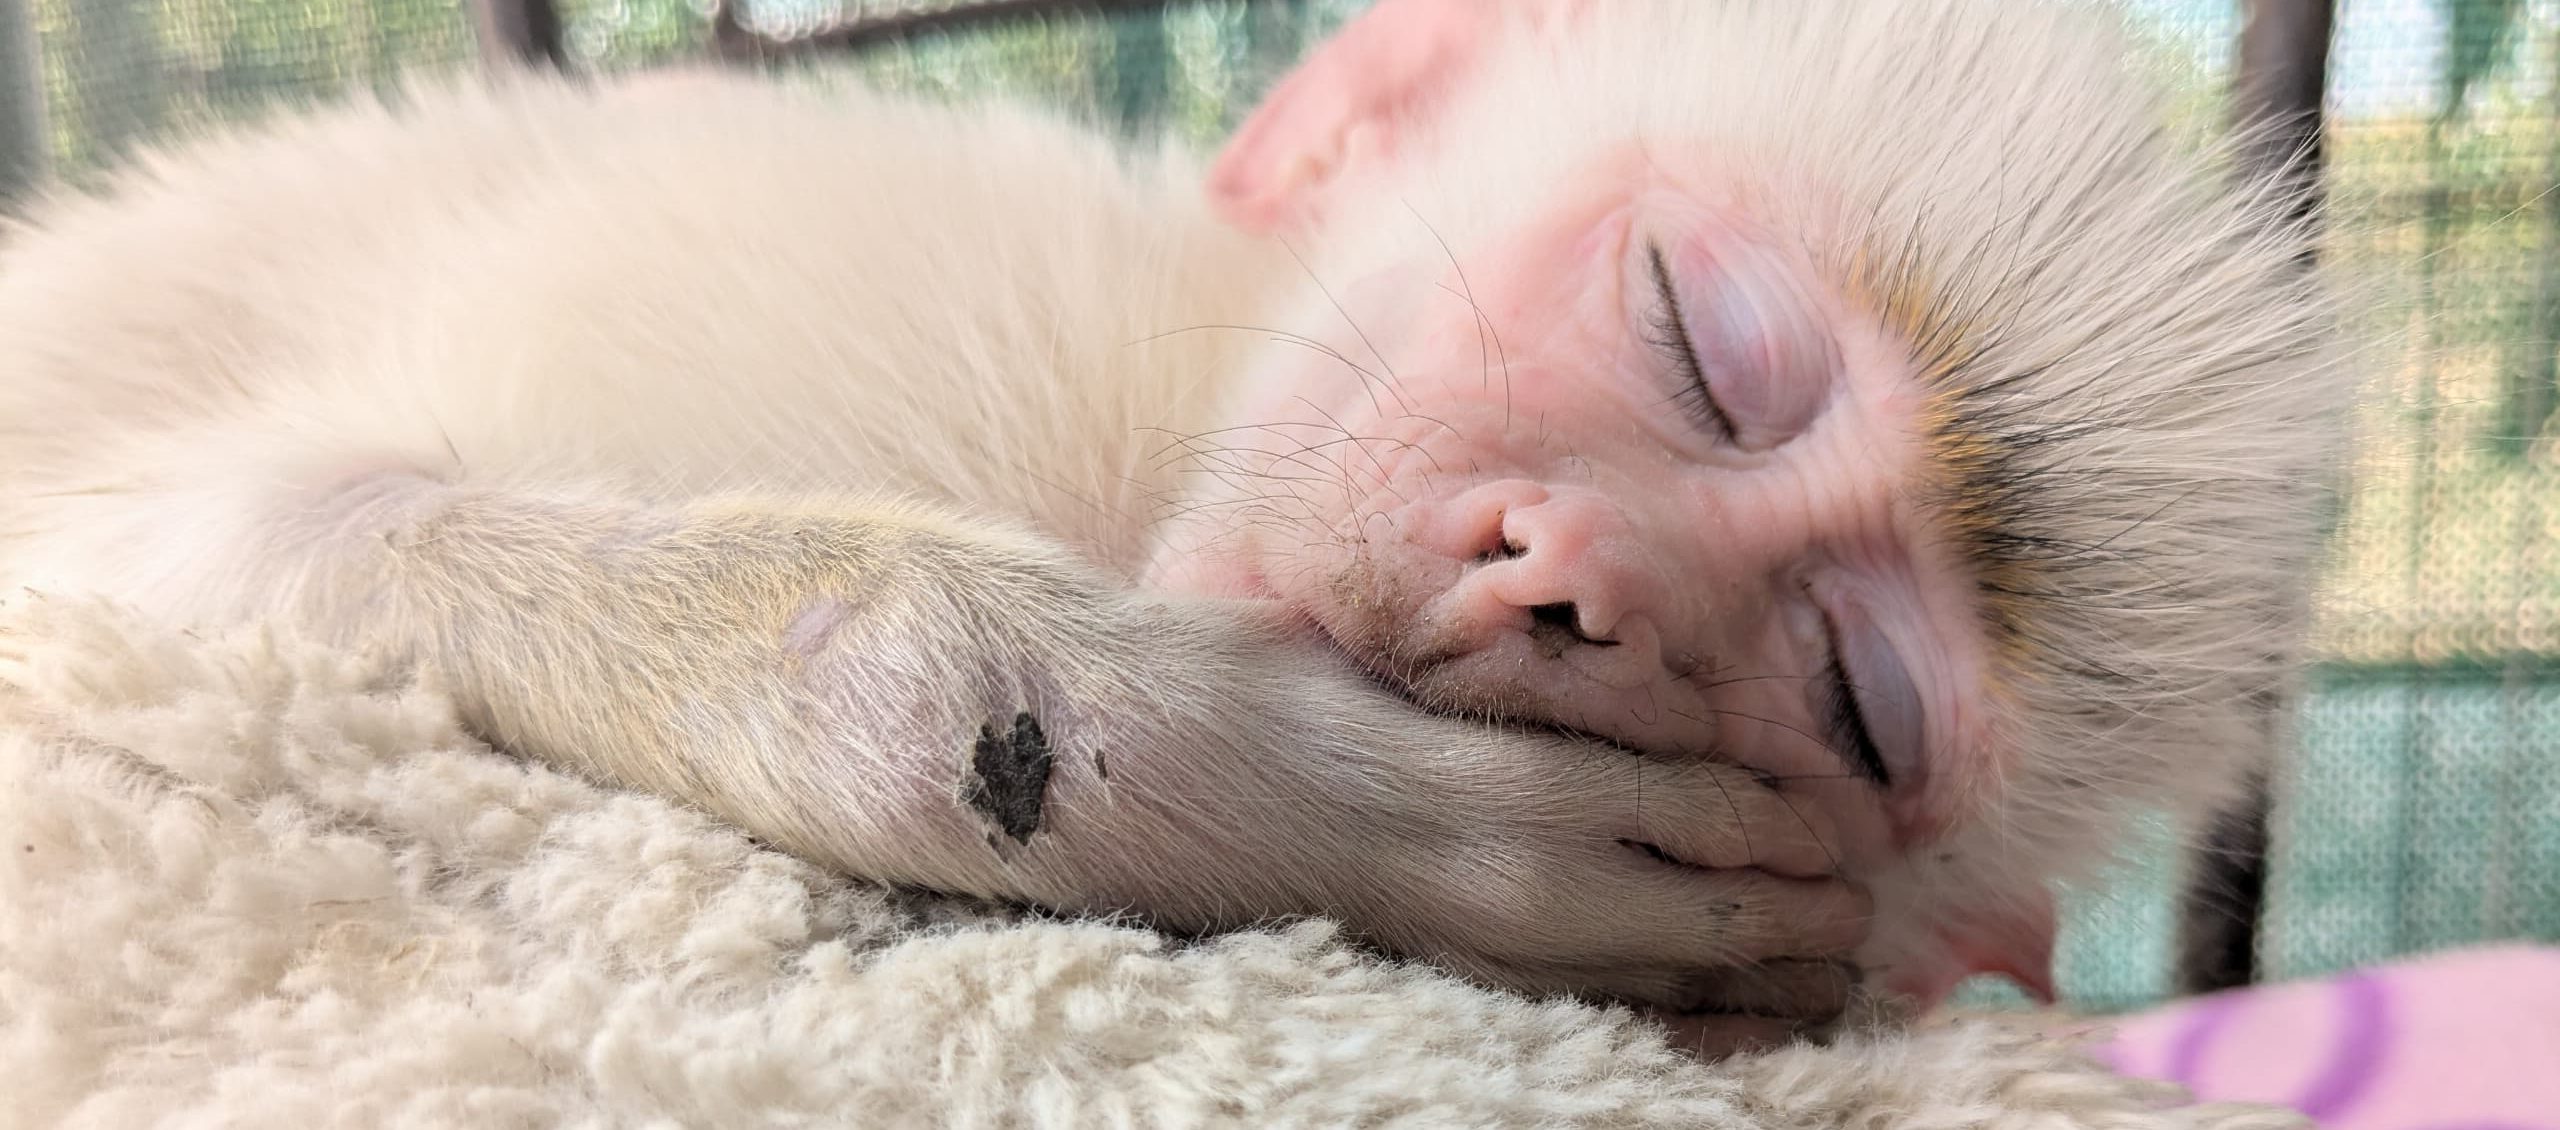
(1347, 320)
(1484, 321)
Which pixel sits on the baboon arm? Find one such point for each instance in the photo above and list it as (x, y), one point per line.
(907, 695)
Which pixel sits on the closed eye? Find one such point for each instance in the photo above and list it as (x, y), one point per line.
(1670, 336)
(1847, 720)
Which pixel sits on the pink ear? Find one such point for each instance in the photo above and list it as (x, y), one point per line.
(1348, 102)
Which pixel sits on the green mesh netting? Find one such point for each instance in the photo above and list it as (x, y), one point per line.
(2424, 809)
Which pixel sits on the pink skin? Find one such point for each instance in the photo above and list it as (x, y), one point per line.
(1578, 474)
(1394, 58)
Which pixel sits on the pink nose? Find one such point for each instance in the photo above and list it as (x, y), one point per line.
(1558, 563)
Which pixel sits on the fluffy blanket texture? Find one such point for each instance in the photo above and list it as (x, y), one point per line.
(250, 882)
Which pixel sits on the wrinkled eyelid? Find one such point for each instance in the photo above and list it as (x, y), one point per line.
(1758, 333)
(1667, 329)
(1888, 697)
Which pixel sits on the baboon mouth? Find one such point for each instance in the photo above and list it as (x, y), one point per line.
(1493, 717)
(1407, 677)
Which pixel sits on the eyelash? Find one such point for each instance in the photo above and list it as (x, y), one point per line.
(1847, 718)
(1670, 336)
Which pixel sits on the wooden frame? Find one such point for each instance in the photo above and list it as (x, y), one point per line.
(735, 41)
(26, 145)
(520, 33)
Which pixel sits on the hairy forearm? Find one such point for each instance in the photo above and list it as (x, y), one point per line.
(905, 697)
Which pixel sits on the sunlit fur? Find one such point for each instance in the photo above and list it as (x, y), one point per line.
(468, 376)
(666, 428)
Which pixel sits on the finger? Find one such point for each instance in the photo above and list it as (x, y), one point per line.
(1703, 1033)
(1799, 991)
(1657, 916)
(1710, 1036)
(1743, 917)
(1717, 816)
(1795, 989)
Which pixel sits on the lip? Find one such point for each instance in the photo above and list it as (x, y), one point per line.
(1307, 622)
(1408, 678)
(1497, 720)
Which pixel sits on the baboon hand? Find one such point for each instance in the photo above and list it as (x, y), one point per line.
(1548, 863)
(1532, 860)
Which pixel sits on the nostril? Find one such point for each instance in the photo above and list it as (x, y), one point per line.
(1562, 619)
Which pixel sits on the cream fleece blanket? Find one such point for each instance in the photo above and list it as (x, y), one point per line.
(249, 882)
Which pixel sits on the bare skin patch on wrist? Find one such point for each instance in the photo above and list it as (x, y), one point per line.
(1009, 775)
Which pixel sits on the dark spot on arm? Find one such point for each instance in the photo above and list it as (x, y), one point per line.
(1010, 776)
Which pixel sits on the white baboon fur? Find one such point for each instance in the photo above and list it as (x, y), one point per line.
(757, 448)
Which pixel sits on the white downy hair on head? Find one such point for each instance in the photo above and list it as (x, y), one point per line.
(2139, 392)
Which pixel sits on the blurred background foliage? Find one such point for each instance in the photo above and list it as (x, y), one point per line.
(2424, 809)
